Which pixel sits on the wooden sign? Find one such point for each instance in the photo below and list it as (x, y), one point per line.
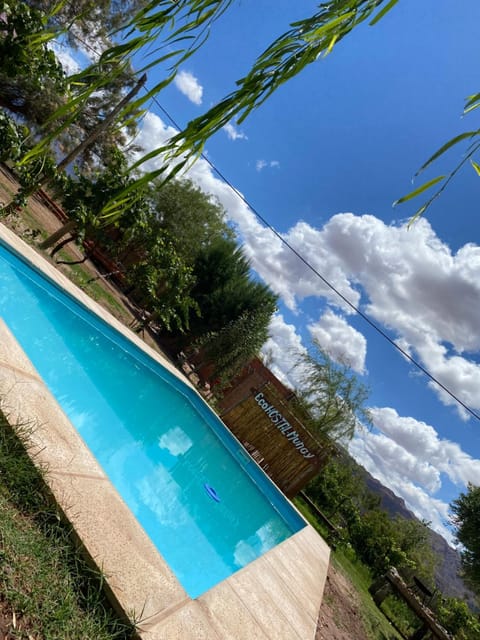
(276, 439)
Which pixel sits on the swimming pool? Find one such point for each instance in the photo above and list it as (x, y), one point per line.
(205, 505)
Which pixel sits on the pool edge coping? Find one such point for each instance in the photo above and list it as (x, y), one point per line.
(86, 492)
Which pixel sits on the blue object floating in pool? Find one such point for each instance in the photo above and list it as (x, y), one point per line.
(211, 492)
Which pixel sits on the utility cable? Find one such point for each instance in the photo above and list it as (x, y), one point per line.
(309, 266)
(350, 304)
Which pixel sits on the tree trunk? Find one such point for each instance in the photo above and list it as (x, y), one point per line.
(91, 137)
(106, 122)
(68, 227)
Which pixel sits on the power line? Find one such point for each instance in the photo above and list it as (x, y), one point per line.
(358, 311)
(285, 242)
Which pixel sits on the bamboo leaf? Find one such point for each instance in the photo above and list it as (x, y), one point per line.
(42, 38)
(472, 107)
(324, 29)
(157, 61)
(419, 190)
(384, 11)
(471, 99)
(446, 147)
(331, 45)
(418, 213)
(56, 8)
(476, 166)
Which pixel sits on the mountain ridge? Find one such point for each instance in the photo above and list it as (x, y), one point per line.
(448, 569)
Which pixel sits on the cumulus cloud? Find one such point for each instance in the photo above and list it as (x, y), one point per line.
(408, 281)
(402, 474)
(340, 340)
(233, 133)
(282, 349)
(188, 84)
(421, 441)
(418, 288)
(409, 457)
(152, 134)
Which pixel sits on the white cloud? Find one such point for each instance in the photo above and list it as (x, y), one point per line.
(408, 281)
(418, 288)
(233, 133)
(188, 84)
(340, 340)
(420, 440)
(176, 441)
(284, 344)
(64, 56)
(392, 459)
(153, 133)
(400, 473)
(409, 457)
(261, 164)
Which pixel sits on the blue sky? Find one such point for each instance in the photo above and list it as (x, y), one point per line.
(322, 161)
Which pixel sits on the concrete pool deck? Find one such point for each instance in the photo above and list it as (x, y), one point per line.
(277, 596)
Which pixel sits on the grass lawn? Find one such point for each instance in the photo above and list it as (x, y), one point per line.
(92, 285)
(47, 589)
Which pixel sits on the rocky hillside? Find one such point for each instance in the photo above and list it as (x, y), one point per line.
(448, 568)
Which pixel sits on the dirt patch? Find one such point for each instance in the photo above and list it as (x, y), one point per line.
(340, 614)
(12, 626)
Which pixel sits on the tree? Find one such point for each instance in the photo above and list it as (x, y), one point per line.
(12, 138)
(34, 85)
(466, 520)
(93, 21)
(330, 396)
(338, 491)
(172, 24)
(234, 345)
(193, 219)
(161, 283)
(32, 81)
(224, 288)
(341, 492)
(190, 218)
(235, 309)
(382, 542)
(84, 196)
(455, 616)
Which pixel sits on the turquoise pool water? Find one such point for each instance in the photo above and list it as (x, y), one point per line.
(205, 505)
